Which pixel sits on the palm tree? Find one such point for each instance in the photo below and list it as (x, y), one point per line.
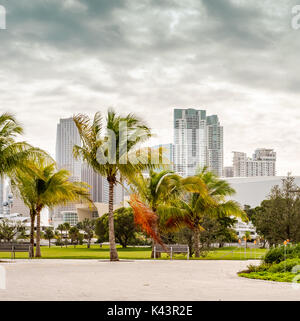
(153, 190)
(74, 235)
(49, 234)
(13, 154)
(88, 226)
(190, 210)
(112, 152)
(67, 228)
(61, 228)
(42, 185)
(247, 237)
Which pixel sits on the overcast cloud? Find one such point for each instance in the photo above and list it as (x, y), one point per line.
(238, 59)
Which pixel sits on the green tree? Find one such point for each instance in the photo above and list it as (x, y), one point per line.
(111, 150)
(74, 235)
(88, 226)
(124, 226)
(49, 234)
(278, 217)
(67, 228)
(42, 185)
(61, 229)
(10, 230)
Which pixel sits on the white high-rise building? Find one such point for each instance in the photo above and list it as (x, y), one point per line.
(262, 163)
(198, 142)
(67, 136)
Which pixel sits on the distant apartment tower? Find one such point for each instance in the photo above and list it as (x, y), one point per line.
(262, 163)
(228, 171)
(198, 142)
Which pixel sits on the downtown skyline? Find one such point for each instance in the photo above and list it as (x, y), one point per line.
(148, 58)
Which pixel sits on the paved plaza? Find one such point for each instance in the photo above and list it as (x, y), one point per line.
(136, 280)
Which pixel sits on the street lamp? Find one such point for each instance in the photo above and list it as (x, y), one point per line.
(8, 204)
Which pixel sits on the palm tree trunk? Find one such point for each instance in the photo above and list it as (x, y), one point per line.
(196, 242)
(112, 241)
(154, 243)
(32, 221)
(38, 234)
(49, 243)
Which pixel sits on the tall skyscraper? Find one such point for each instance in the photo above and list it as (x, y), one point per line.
(262, 163)
(67, 136)
(214, 145)
(198, 142)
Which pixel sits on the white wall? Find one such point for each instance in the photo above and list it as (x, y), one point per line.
(253, 190)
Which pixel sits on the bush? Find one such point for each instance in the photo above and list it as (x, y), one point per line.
(277, 255)
(256, 268)
(285, 266)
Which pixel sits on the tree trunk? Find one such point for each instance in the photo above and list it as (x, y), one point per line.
(38, 234)
(196, 242)
(154, 243)
(112, 241)
(32, 221)
(49, 243)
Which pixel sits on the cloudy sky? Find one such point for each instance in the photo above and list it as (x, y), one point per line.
(235, 58)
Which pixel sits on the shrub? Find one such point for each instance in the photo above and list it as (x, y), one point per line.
(277, 255)
(256, 268)
(285, 266)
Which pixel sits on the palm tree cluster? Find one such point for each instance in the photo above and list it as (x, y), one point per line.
(161, 201)
(34, 176)
(177, 202)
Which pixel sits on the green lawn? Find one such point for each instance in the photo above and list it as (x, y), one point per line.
(95, 252)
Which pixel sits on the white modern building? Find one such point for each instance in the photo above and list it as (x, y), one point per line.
(198, 142)
(67, 136)
(253, 190)
(262, 163)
